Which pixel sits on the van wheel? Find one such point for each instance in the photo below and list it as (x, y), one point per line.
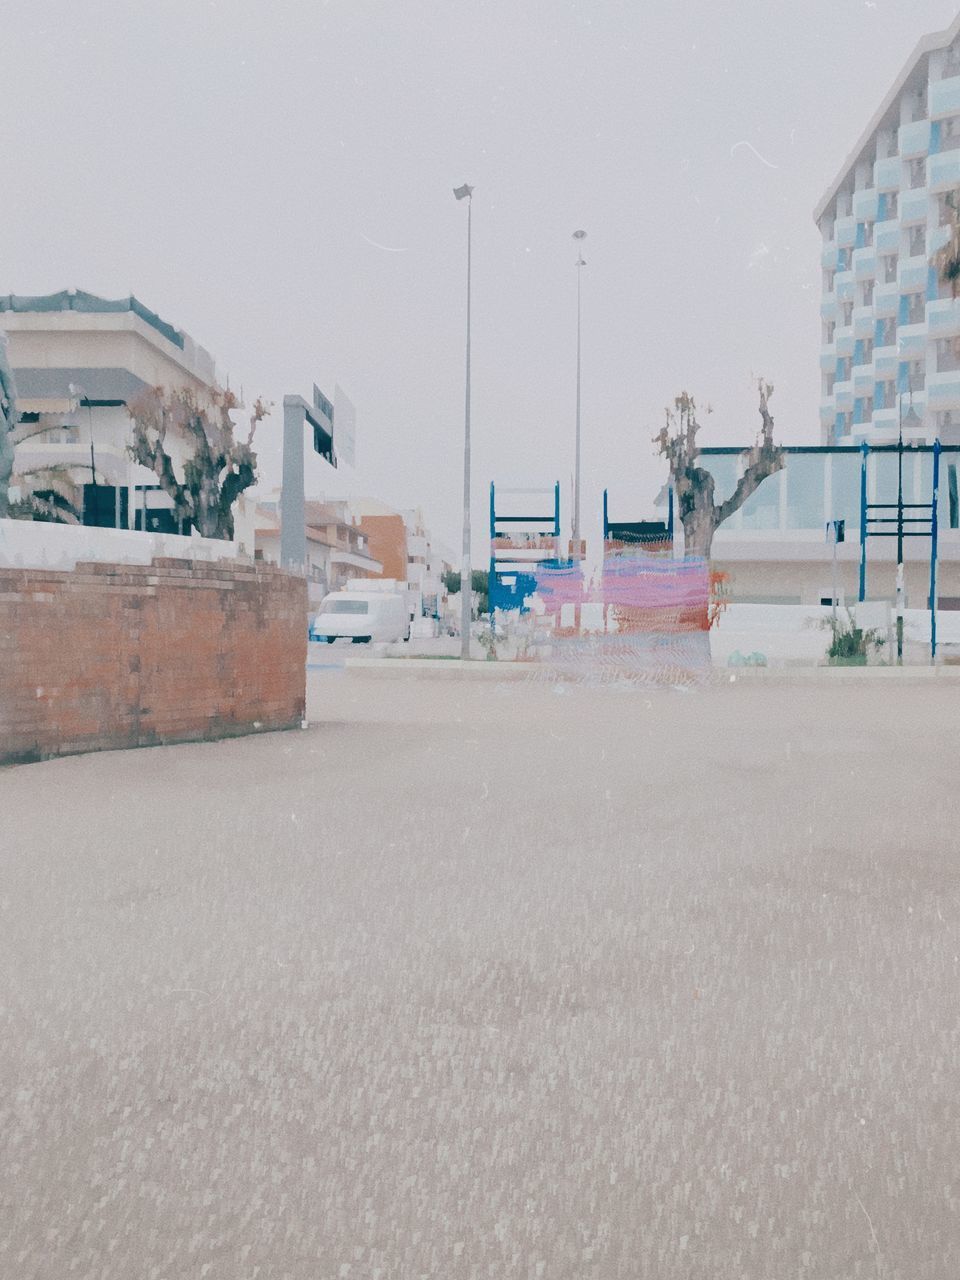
(329, 639)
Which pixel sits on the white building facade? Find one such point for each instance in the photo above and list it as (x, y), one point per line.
(891, 330)
(79, 361)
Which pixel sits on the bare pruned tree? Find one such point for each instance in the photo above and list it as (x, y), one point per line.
(946, 261)
(215, 468)
(694, 485)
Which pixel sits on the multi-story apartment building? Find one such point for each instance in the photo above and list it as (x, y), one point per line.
(891, 330)
(79, 361)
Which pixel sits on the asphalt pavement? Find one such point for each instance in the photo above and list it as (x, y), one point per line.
(491, 979)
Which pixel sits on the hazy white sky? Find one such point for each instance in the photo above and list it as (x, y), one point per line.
(276, 178)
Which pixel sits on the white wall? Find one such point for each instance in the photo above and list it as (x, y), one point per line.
(32, 544)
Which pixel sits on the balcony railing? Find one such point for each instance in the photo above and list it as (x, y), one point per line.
(914, 205)
(846, 232)
(915, 138)
(943, 171)
(886, 236)
(943, 390)
(886, 173)
(865, 205)
(945, 97)
(864, 263)
(943, 318)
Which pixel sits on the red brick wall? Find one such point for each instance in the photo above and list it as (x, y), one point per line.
(111, 655)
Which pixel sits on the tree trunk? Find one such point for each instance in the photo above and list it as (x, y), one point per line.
(699, 527)
(6, 469)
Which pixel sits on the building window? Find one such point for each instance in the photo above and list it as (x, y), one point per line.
(866, 293)
(847, 312)
(916, 308)
(947, 202)
(843, 369)
(917, 242)
(887, 332)
(893, 204)
(948, 357)
(828, 383)
(887, 397)
(917, 170)
(888, 266)
(829, 329)
(918, 106)
(916, 375)
(950, 133)
(828, 281)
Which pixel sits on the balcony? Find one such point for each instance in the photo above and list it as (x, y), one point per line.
(937, 237)
(886, 300)
(912, 273)
(863, 379)
(865, 205)
(355, 560)
(843, 340)
(112, 461)
(945, 98)
(914, 205)
(828, 257)
(843, 286)
(886, 236)
(886, 361)
(843, 394)
(829, 308)
(828, 357)
(943, 318)
(943, 171)
(915, 138)
(885, 419)
(863, 321)
(912, 340)
(845, 232)
(864, 263)
(886, 173)
(943, 390)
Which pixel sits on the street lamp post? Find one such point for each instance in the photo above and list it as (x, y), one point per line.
(579, 236)
(466, 576)
(900, 535)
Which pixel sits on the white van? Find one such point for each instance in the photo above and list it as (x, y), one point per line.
(361, 617)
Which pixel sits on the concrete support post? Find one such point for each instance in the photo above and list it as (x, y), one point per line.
(293, 530)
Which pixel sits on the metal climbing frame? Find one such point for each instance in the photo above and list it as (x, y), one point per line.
(520, 544)
(877, 526)
(649, 533)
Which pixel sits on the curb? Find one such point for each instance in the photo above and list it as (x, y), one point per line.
(480, 669)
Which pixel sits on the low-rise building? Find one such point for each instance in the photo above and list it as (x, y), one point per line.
(335, 548)
(79, 361)
(408, 550)
(775, 549)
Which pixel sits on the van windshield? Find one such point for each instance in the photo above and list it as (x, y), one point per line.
(345, 606)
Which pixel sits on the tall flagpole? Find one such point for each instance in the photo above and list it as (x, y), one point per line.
(579, 236)
(466, 574)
